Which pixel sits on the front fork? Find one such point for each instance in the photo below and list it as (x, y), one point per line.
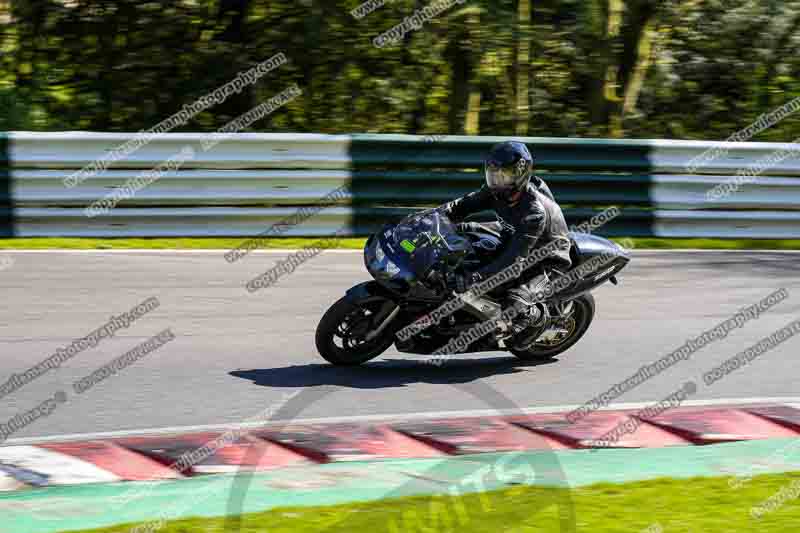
(371, 291)
(385, 315)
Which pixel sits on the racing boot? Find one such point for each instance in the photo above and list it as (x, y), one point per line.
(531, 318)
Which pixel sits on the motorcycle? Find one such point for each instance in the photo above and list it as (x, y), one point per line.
(415, 265)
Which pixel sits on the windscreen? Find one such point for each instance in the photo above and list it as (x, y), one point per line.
(427, 237)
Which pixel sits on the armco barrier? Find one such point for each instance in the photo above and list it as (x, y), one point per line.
(249, 181)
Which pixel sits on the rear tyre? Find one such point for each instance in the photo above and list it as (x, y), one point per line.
(341, 333)
(547, 347)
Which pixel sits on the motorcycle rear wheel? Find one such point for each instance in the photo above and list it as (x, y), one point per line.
(348, 322)
(578, 322)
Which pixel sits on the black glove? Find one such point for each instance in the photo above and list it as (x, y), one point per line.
(507, 232)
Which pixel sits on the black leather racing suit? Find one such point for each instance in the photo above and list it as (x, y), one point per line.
(534, 220)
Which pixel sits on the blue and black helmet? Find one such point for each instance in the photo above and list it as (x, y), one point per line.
(508, 167)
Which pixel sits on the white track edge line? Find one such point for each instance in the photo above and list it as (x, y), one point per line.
(383, 417)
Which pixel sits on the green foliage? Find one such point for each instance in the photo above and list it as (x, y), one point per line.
(714, 67)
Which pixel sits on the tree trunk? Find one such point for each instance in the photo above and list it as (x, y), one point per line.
(602, 91)
(611, 80)
(637, 51)
(231, 16)
(458, 92)
(775, 59)
(523, 66)
(644, 56)
(472, 120)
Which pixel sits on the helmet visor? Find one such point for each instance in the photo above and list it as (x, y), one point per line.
(503, 181)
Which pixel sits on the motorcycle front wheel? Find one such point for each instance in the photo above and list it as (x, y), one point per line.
(341, 333)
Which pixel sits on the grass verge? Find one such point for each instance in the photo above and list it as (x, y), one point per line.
(692, 505)
(227, 243)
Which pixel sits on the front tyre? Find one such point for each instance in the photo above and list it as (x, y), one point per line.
(341, 333)
(557, 340)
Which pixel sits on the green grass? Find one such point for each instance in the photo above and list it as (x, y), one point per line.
(215, 243)
(698, 505)
(652, 243)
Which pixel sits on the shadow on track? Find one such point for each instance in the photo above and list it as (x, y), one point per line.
(386, 373)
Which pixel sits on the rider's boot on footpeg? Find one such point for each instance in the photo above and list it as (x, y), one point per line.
(529, 322)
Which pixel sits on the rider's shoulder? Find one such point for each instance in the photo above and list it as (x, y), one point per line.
(531, 193)
(484, 193)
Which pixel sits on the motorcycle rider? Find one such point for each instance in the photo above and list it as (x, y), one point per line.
(529, 218)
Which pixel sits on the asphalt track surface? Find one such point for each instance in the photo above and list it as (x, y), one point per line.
(236, 353)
